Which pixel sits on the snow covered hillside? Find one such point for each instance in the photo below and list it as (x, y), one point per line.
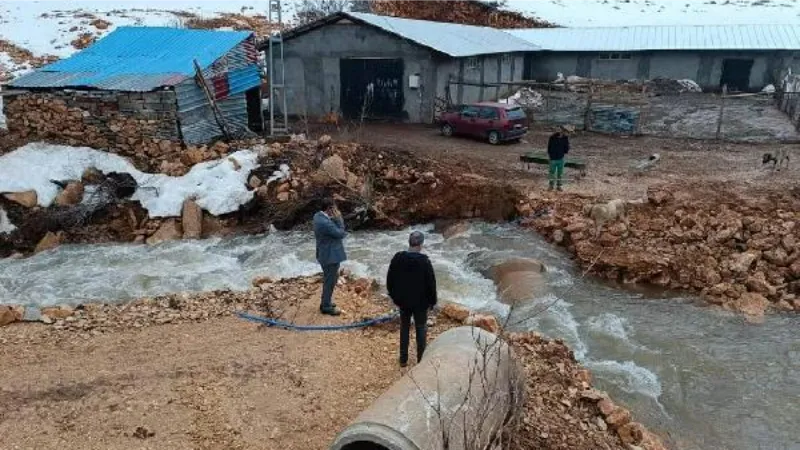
(585, 13)
(48, 27)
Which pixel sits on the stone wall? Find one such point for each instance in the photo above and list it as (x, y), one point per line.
(142, 126)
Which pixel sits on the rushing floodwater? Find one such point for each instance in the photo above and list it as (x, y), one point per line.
(706, 377)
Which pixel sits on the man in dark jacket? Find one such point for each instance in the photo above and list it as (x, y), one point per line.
(557, 149)
(329, 232)
(412, 286)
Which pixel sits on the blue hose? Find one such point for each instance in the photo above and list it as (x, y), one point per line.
(290, 326)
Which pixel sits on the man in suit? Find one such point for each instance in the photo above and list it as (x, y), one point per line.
(329, 232)
(412, 286)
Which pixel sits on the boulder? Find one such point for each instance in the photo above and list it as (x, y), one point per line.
(283, 196)
(168, 231)
(454, 229)
(324, 141)
(456, 312)
(71, 195)
(658, 196)
(28, 199)
(192, 220)
(620, 417)
(606, 407)
(631, 433)
(794, 269)
(742, 262)
(9, 315)
(49, 241)
(750, 303)
(58, 312)
(254, 182)
(758, 283)
(334, 167)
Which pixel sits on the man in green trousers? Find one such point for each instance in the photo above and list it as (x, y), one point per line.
(557, 149)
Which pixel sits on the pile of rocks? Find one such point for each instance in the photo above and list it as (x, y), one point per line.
(560, 400)
(742, 253)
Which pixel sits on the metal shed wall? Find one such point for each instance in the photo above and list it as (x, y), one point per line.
(197, 121)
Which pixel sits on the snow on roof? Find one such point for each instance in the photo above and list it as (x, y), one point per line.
(637, 38)
(452, 39)
(136, 59)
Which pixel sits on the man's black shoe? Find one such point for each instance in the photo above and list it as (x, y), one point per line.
(330, 311)
(403, 363)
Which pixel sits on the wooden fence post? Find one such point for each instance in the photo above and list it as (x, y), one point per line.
(721, 110)
(201, 79)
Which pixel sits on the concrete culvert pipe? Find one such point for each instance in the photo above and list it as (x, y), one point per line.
(517, 279)
(463, 392)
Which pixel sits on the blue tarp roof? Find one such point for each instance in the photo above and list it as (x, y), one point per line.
(136, 59)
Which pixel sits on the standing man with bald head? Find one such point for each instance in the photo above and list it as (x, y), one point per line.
(412, 286)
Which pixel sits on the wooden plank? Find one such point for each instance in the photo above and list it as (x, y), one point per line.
(541, 158)
(201, 80)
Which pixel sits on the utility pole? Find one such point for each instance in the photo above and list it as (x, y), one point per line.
(276, 72)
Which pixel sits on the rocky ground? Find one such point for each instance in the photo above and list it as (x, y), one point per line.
(180, 372)
(738, 248)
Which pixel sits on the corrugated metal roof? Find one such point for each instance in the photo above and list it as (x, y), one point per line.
(684, 37)
(136, 59)
(449, 38)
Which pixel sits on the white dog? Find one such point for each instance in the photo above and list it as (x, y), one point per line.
(602, 213)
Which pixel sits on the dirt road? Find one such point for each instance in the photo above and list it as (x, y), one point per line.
(610, 159)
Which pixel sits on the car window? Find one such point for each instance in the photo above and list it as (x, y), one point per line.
(489, 113)
(470, 111)
(515, 113)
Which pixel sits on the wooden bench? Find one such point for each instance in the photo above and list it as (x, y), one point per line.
(541, 158)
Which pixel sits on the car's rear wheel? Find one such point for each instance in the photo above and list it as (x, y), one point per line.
(447, 130)
(494, 137)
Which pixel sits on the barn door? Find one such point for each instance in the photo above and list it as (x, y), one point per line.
(736, 74)
(372, 88)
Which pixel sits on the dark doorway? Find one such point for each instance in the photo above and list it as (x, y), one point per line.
(371, 88)
(736, 74)
(253, 97)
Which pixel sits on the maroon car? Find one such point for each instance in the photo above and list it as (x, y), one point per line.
(495, 122)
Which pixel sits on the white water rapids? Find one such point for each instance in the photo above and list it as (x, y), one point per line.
(707, 378)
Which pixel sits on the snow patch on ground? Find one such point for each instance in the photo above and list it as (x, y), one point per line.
(217, 186)
(615, 13)
(5, 224)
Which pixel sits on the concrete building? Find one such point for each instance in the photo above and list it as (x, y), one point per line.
(745, 57)
(137, 86)
(379, 67)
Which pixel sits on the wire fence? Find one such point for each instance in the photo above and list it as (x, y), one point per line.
(663, 109)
